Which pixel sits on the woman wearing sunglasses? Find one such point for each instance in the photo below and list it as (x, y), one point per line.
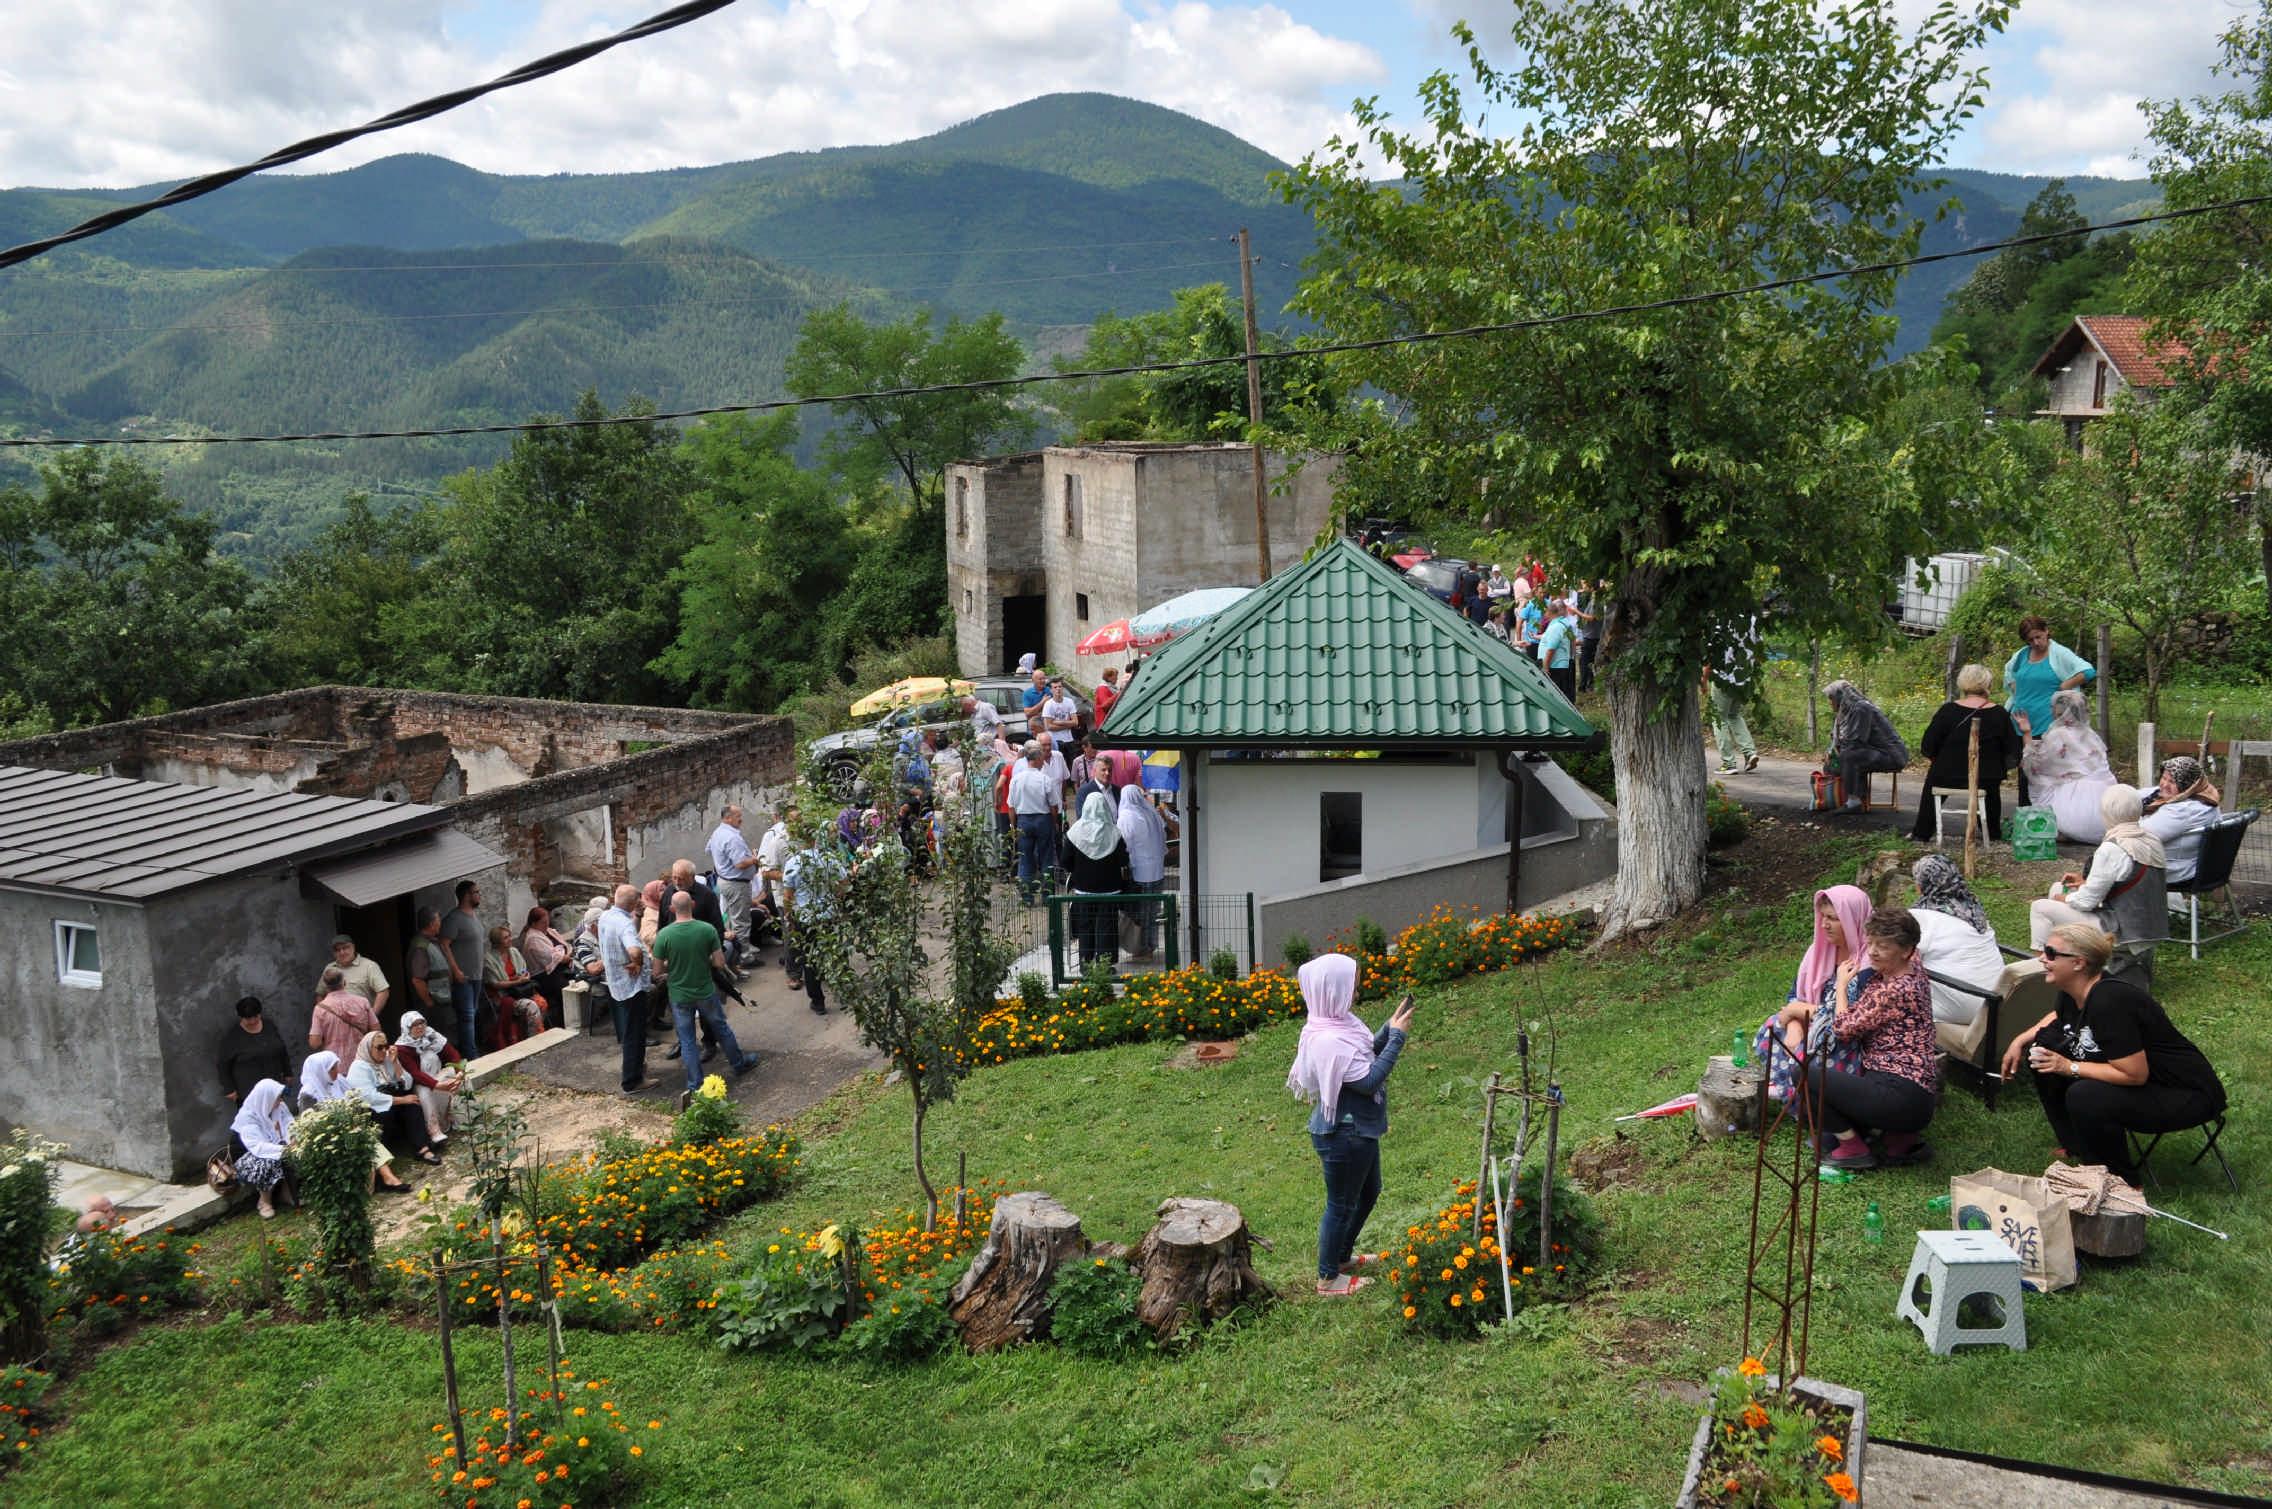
(2107, 1061)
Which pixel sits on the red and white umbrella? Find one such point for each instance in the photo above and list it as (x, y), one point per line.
(1115, 638)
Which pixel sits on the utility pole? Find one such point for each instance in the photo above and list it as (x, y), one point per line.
(1254, 411)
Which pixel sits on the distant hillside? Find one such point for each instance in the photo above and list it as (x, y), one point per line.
(416, 290)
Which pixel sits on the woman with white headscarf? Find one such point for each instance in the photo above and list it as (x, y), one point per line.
(1342, 1066)
(1096, 860)
(1145, 831)
(2120, 863)
(2066, 769)
(257, 1136)
(322, 1078)
(426, 1056)
(377, 1077)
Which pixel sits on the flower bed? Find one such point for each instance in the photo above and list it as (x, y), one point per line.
(21, 1390)
(1774, 1449)
(1446, 1276)
(102, 1280)
(1192, 1002)
(577, 1453)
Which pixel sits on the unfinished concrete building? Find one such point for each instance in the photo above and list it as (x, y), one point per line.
(1044, 547)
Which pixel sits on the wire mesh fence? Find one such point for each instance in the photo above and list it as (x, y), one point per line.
(1136, 932)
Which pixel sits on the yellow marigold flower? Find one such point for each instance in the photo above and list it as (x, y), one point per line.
(1750, 1367)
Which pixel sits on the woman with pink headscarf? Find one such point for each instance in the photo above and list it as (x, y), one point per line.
(1342, 1066)
(1804, 1024)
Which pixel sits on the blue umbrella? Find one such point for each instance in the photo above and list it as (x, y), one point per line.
(1183, 612)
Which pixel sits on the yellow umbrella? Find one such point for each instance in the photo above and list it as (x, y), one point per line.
(912, 689)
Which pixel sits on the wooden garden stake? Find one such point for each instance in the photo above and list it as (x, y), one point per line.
(1814, 675)
(449, 1356)
(1499, 1213)
(2203, 753)
(1483, 1174)
(1546, 1179)
(1971, 798)
(505, 1328)
(962, 1187)
(552, 1328)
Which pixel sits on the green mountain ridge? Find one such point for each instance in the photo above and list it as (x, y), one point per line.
(415, 291)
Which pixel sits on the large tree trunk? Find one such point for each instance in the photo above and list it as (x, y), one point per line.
(1004, 1298)
(1196, 1262)
(1657, 751)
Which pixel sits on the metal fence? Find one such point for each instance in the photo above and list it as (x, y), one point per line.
(1051, 939)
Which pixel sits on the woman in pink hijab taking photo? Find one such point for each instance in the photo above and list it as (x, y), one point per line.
(1342, 1067)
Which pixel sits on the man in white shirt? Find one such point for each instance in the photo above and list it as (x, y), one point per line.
(1060, 716)
(1037, 796)
(735, 867)
(626, 964)
(985, 720)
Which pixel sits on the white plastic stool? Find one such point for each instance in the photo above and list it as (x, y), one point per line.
(1957, 1265)
(1942, 797)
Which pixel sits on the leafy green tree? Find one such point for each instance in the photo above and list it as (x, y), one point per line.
(554, 572)
(2016, 302)
(114, 601)
(333, 608)
(2208, 279)
(775, 550)
(2146, 529)
(1204, 403)
(1699, 456)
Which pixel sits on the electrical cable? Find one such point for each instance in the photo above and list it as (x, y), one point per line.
(196, 188)
(1379, 343)
(265, 326)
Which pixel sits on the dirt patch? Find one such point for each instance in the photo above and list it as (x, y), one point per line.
(1643, 1342)
(562, 1123)
(1607, 1164)
(1203, 1055)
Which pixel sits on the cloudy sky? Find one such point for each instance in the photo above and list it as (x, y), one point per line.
(116, 92)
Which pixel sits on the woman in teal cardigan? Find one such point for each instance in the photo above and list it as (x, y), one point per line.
(2040, 669)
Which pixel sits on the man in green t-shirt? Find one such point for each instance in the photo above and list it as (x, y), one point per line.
(689, 951)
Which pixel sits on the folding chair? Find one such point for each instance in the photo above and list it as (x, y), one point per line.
(2021, 998)
(2212, 1129)
(2220, 847)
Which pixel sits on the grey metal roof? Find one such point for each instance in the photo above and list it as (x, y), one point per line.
(132, 840)
(405, 865)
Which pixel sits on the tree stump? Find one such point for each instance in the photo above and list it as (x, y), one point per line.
(1004, 1297)
(1727, 1099)
(1197, 1262)
(2110, 1233)
(1881, 875)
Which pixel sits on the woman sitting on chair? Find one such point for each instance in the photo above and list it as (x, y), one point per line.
(511, 989)
(2120, 863)
(1806, 1024)
(1948, 745)
(1954, 938)
(1895, 1088)
(2066, 769)
(2178, 808)
(2107, 1061)
(1862, 741)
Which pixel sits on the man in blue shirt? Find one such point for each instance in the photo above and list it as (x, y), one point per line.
(808, 883)
(735, 866)
(625, 963)
(1557, 649)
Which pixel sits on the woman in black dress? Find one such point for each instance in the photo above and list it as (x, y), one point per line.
(1948, 743)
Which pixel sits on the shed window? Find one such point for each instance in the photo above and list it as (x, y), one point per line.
(78, 958)
(962, 508)
(1341, 834)
(2098, 387)
(1073, 507)
(1081, 606)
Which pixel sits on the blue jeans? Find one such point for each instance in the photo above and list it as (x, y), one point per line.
(1352, 1184)
(465, 999)
(631, 1034)
(685, 1014)
(1037, 851)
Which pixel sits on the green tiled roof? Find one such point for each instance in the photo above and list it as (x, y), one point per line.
(1342, 652)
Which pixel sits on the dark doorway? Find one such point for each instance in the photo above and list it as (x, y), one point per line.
(1025, 627)
(1341, 835)
(382, 933)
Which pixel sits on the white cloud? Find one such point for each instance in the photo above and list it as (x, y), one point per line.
(2069, 77)
(130, 91)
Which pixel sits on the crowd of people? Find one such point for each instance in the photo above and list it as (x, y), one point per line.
(1561, 630)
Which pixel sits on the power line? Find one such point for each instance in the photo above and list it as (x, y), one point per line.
(676, 16)
(1380, 343)
(495, 314)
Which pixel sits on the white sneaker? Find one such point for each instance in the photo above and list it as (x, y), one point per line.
(1853, 804)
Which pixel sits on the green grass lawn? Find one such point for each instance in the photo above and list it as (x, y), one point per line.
(2158, 1369)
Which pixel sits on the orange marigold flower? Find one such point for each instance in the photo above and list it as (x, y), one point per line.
(1753, 1416)
(1829, 1447)
(1842, 1484)
(1752, 1367)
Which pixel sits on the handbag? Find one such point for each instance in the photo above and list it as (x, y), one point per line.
(221, 1171)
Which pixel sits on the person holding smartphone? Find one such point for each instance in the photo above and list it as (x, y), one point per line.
(1342, 1067)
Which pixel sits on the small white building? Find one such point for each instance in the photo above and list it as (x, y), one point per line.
(1047, 546)
(1350, 747)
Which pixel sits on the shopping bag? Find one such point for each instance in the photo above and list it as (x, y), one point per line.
(1829, 792)
(2025, 1215)
(2035, 834)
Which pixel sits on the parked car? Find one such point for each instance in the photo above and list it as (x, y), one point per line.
(844, 753)
(1436, 576)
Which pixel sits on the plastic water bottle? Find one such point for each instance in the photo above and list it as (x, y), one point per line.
(1740, 1052)
(1873, 1225)
(1830, 1173)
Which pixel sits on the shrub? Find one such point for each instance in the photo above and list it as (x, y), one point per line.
(586, 1456)
(1181, 1003)
(1989, 612)
(255, 1278)
(1092, 1310)
(21, 1390)
(710, 1117)
(332, 1150)
(1439, 949)
(1033, 989)
(906, 1325)
(1725, 821)
(795, 1297)
(1223, 964)
(1296, 951)
(27, 1191)
(1371, 937)
(1447, 1278)
(105, 1279)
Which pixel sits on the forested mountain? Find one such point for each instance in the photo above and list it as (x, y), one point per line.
(416, 291)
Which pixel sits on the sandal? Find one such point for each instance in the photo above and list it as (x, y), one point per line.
(267, 1212)
(1337, 1288)
(428, 1155)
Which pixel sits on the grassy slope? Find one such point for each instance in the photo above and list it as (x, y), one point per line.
(1331, 1399)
